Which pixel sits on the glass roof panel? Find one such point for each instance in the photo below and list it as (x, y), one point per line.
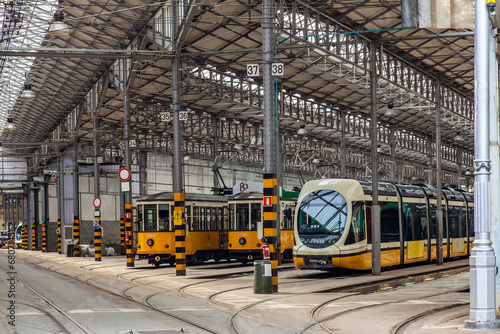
(24, 26)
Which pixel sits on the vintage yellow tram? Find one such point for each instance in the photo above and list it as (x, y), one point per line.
(245, 231)
(206, 220)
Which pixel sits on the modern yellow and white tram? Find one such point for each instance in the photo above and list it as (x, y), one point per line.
(206, 223)
(246, 226)
(333, 224)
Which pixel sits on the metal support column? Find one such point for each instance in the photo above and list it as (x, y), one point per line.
(45, 220)
(343, 115)
(482, 259)
(375, 228)
(495, 159)
(97, 177)
(409, 13)
(439, 205)
(270, 149)
(128, 165)
(60, 183)
(392, 142)
(76, 204)
(177, 173)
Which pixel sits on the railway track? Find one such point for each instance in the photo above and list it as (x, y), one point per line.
(237, 314)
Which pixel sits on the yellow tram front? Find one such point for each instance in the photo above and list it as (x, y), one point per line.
(246, 226)
(206, 218)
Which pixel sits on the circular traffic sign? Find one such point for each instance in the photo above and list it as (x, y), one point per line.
(124, 174)
(97, 202)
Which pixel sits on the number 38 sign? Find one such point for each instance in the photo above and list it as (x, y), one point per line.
(277, 69)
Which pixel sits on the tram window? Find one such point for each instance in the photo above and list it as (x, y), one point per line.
(208, 213)
(231, 217)
(187, 214)
(196, 218)
(433, 220)
(322, 218)
(414, 216)
(470, 213)
(463, 225)
(150, 219)
(202, 218)
(389, 222)
(163, 215)
(357, 229)
(255, 209)
(433, 215)
(454, 221)
(242, 221)
(139, 218)
(287, 214)
(218, 218)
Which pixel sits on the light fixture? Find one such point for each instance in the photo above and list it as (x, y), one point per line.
(187, 158)
(1, 148)
(302, 130)
(390, 110)
(10, 124)
(379, 149)
(315, 161)
(58, 28)
(27, 93)
(458, 137)
(237, 147)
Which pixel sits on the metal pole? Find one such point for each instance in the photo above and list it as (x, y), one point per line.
(178, 186)
(375, 229)
(343, 115)
(439, 208)
(482, 259)
(76, 206)
(128, 165)
(495, 160)
(409, 13)
(97, 211)
(270, 171)
(392, 167)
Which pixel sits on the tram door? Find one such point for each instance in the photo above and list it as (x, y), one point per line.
(224, 237)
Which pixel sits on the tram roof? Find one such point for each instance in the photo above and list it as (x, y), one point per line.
(188, 197)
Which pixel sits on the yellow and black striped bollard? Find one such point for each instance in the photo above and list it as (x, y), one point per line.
(122, 235)
(97, 239)
(25, 237)
(76, 235)
(180, 235)
(59, 249)
(128, 238)
(44, 237)
(33, 237)
(270, 194)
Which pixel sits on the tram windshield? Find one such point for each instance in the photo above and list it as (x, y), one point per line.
(321, 218)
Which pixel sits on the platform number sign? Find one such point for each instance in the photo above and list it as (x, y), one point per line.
(165, 116)
(183, 115)
(277, 69)
(132, 143)
(253, 70)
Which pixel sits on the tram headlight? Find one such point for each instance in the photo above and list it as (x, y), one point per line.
(242, 241)
(151, 242)
(166, 246)
(258, 245)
